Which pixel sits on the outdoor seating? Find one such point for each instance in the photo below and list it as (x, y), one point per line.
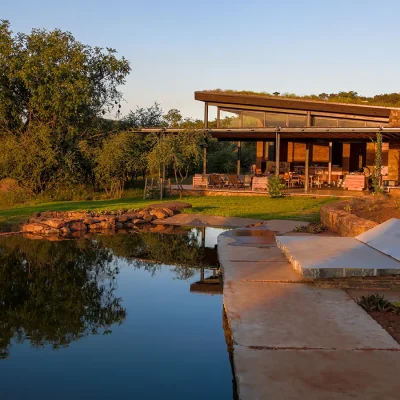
(200, 181)
(260, 183)
(216, 181)
(235, 182)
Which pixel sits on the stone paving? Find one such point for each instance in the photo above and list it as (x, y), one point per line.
(293, 340)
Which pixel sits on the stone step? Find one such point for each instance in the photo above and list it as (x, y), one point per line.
(335, 257)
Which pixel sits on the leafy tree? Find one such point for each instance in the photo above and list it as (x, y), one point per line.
(54, 90)
(181, 151)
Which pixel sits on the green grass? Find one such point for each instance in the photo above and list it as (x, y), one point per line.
(301, 208)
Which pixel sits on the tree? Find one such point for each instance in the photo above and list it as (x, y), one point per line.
(181, 151)
(54, 90)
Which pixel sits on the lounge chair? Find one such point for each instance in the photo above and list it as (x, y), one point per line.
(235, 182)
(216, 181)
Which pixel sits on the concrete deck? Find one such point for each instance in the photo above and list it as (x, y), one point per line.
(333, 257)
(293, 340)
(384, 237)
(323, 192)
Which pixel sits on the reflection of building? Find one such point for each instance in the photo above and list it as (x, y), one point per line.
(209, 285)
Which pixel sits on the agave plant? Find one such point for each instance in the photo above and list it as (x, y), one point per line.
(375, 302)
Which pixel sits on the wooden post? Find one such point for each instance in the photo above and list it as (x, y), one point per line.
(307, 175)
(239, 154)
(277, 150)
(330, 165)
(204, 148)
(145, 188)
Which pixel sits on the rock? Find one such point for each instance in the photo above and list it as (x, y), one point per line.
(95, 227)
(78, 227)
(122, 218)
(78, 215)
(138, 221)
(159, 214)
(52, 231)
(54, 223)
(148, 218)
(65, 231)
(34, 227)
(119, 225)
(128, 225)
(90, 221)
(131, 216)
(169, 212)
(158, 228)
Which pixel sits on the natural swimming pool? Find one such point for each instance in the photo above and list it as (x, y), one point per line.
(111, 317)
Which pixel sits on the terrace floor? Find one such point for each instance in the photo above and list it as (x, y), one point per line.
(315, 192)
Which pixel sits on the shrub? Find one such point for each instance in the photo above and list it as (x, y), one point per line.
(275, 187)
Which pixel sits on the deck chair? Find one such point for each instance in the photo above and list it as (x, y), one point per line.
(216, 181)
(235, 182)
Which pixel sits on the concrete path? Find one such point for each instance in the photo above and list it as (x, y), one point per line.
(208, 220)
(293, 340)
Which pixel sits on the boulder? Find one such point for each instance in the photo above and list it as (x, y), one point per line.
(159, 214)
(90, 221)
(169, 212)
(148, 218)
(138, 221)
(128, 225)
(33, 227)
(130, 216)
(122, 218)
(65, 231)
(119, 225)
(78, 227)
(54, 223)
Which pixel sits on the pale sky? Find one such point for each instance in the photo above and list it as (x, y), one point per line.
(176, 47)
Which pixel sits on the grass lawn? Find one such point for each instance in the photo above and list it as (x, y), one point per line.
(304, 208)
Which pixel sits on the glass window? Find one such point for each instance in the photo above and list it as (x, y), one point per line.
(324, 122)
(229, 118)
(253, 119)
(351, 123)
(297, 121)
(274, 120)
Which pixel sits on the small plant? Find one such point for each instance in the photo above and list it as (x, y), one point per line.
(275, 187)
(313, 227)
(348, 208)
(396, 307)
(377, 173)
(374, 302)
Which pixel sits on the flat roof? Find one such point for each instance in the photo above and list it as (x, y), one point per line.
(293, 104)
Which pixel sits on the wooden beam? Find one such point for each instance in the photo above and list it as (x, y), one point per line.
(307, 161)
(277, 150)
(330, 164)
(239, 155)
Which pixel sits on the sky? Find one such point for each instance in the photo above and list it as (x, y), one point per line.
(176, 47)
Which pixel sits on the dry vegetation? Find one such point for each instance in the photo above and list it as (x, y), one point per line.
(376, 208)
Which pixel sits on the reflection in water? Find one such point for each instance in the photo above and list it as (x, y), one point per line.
(121, 310)
(55, 292)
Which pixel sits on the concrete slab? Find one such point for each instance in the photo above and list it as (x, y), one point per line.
(267, 271)
(316, 374)
(280, 315)
(281, 226)
(328, 257)
(208, 220)
(384, 237)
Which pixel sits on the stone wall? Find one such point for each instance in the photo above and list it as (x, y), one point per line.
(79, 223)
(338, 220)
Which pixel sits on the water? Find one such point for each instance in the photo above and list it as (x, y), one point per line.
(85, 319)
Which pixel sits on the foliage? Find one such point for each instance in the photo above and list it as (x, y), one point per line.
(314, 227)
(374, 302)
(181, 151)
(377, 172)
(55, 293)
(54, 91)
(275, 187)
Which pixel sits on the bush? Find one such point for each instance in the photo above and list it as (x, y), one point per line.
(275, 187)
